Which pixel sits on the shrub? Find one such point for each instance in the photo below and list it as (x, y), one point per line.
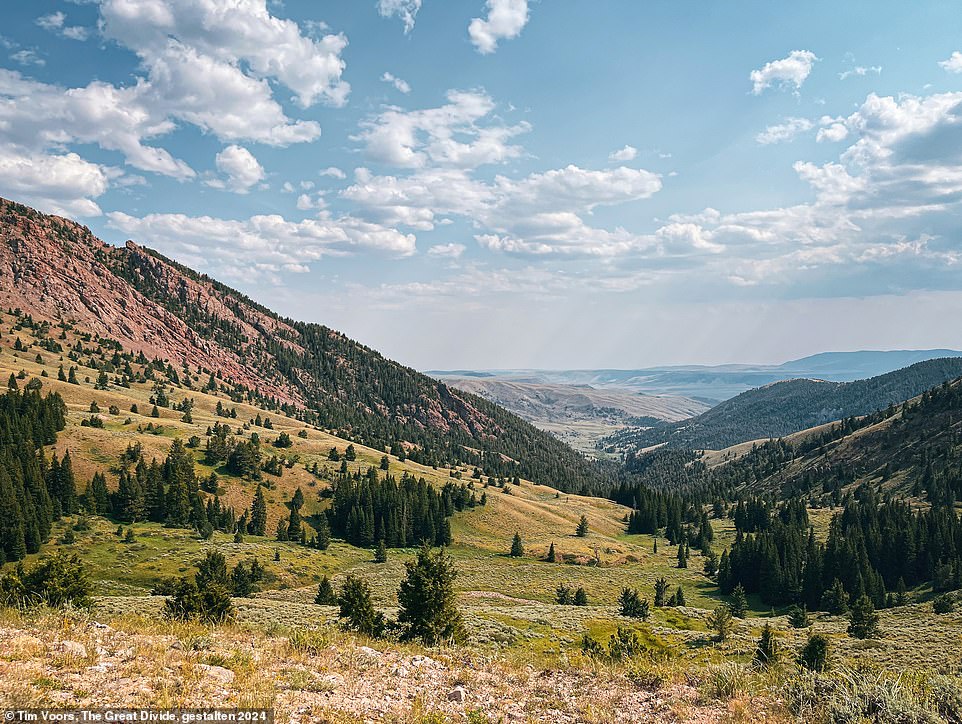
(943, 604)
(632, 605)
(57, 581)
(815, 654)
(624, 644)
(722, 622)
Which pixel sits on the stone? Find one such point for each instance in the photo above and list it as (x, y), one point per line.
(457, 694)
(218, 673)
(74, 648)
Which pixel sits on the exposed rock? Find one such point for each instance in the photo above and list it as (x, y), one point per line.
(457, 694)
(217, 673)
(73, 648)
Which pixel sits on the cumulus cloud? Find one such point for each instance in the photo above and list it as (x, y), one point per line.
(414, 139)
(406, 10)
(240, 169)
(232, 33)
(447, 251)
(261, 246)
(785, 131)
(789, 72)
(952, 64)
(63, 184)
(506, 19)
(398, 83)
(56, 23)
(333, 172)
(540, 214)
(627, 153)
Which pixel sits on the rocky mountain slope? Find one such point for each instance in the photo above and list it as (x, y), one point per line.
(55, 269)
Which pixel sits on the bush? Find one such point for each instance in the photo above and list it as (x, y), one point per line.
(722, 622)
(943, 604)
(624, 644)
(632, 605)
(57, 581)
(815, 654)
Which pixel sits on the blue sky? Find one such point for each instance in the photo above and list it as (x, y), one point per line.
(511, 183)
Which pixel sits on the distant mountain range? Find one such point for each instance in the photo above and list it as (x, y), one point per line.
(786, 407)
(716, 383)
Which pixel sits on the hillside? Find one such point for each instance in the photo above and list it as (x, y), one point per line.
(579, 415)
(783, 408)
(56, 270)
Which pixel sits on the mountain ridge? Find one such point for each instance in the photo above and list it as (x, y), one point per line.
(56, 269)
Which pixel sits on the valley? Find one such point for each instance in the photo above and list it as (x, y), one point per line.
(187, 456)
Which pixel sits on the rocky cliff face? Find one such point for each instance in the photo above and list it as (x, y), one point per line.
(55, 269)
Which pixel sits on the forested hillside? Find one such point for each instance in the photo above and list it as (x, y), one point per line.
(783, 408)
(56, 270)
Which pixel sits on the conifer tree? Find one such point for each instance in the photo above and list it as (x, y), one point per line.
(552, 557)
(739, 602)
(815, 654)
(722, 622)
(258, 514)
(427, 599)
(563, 595)
(581, 597)
(661, 589)
(380, 553)
(798, 617)
(517, 547)
(863, 621)
(325, 593)
(766, 650)
(357, 606)
(582, 529)
(682, 557)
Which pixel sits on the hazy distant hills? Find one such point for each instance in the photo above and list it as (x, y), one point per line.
(718, 382)
(783, 408)
(578, 414)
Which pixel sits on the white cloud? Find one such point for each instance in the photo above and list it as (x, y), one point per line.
(952, 64)
(789, 72)
(232, 33)
(62, 184)
(539, 214)
(785, 131)
(414, 139)
(240, 167)
(447, 251)
(398, 83)
(261, 246)
(860, 70)
(333, 172)
(56, 23)
(505, 20)
(832, 129)
(27, 56)
(627, 153)
(406, 10)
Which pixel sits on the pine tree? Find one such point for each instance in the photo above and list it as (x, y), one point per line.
(563, 595)
(552, 556)
(582, 529)
(766, 650)
(722, 622)
(517, 547)
(323, 537)
(739, 602)
(835, 600)
(680, 597)
(258, 514)
(427, 599)
(661, 589)
(325, 593)
(380, 553)
(863, 621)
(357, 606)
(581, 597)
(798, 617)
(682, 557)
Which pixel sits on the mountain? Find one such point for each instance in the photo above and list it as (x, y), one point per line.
(580, 415)
(55, 269)
(785, 407)
(715, 383)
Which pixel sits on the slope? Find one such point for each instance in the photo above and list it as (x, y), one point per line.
(56, 270)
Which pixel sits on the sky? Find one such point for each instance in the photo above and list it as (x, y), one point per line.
(517, 183)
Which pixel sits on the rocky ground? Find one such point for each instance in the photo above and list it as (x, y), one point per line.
(319, 676)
